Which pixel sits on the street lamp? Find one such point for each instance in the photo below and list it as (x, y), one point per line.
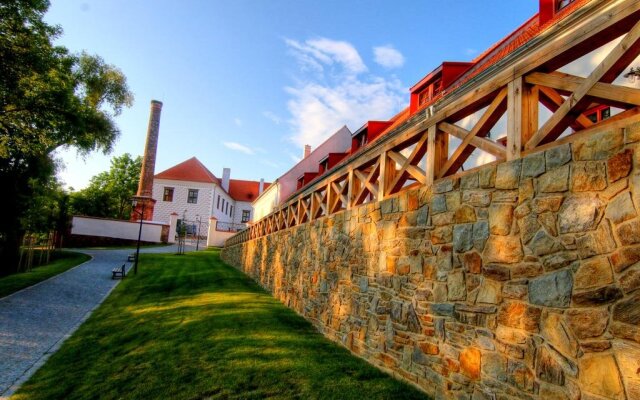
(199, 219)
(134, 203)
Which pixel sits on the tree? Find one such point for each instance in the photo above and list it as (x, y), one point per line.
(48, 98)
(109, 193)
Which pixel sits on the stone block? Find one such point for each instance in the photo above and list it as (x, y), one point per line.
(549, 203)
(620, 165)
(442, 309)
(599, 375)
(588, 176)
(470, 362)
(579, 214)
(422, 218)
(632, 134)
(516, 291)
(625, 257)
(476, 198)
(542, 244)
(520, 376)
(500, 219)
(469, 181)
(508, 174)
(630, 279)
(528, 226)
(496, 272)
(628, 360)
(599, 146)
(533, 165)
(480, 234)
(438, 204)
(444, 185)
(503, 249)
(494, 365)
(526, 190)
(441, 235)
(555, 180)
(629, 232)
(456, 286)
(597, 297)
(556, 331)
(593, 273)
(597, 242)
(559, 260)
(487, 177)
(463, 237)
(472, 262)
(588, 323)
(620, 208)
(526, 270)
(442, 219)
(552, 290)
(464, 214)
(557, 156)
(519, 315)
(628, 310)
(548, 368)
(489, 292)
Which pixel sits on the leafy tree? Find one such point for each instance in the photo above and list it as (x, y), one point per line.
(48, 98)
(109, 193)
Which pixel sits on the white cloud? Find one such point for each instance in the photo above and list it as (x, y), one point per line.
(272, 116)
(321, 103)
(388, 56)
(237, 121)
(470, 51)
(315, 54)
(239, 147)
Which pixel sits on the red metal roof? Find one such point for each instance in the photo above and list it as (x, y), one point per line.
(191, 170)
(241, 190)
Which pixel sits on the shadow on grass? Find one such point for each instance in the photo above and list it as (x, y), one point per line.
(191, 327)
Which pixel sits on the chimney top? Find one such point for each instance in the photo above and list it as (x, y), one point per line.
(156, 103)
(307, 151)
(226, 176)
(261, 187)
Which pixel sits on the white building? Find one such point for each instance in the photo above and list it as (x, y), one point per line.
(190, 190)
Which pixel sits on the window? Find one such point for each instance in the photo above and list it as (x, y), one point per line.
(563, 3)
(192, 197)
(231, 213)
(226, 211)
(246, 214)
(599, 114)
(218, 206)
(168, 194)
(222, 209)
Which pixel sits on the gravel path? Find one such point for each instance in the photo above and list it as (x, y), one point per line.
(35, 321)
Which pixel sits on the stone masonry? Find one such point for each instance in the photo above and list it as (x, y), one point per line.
(515, 281)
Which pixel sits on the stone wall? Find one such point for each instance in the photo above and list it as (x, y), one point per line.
(519, 280)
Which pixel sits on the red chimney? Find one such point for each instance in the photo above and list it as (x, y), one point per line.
(145, 203)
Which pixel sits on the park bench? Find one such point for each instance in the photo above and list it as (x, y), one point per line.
(131, 257)
(118, 271)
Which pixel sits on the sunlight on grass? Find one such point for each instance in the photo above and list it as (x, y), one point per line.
(190, 327)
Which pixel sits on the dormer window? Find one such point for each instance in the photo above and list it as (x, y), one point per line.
(324, 165)
(563, 3)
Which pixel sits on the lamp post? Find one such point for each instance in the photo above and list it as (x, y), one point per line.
(141, 214)
(199, 219)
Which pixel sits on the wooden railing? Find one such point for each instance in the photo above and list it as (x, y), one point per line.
(417, 153)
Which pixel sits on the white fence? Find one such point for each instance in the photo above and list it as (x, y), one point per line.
(118, 229)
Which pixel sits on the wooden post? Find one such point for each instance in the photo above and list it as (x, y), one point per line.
(431, 156)
(350, 188)
(515, 122)
(387, 169)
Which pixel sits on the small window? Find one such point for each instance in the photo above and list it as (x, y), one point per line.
(246, 214)
(218, 206)
(231, 213)
(168, 194)
(605, 113)
(226, 211)
(192, 197)
(222, 209)
(563, 3)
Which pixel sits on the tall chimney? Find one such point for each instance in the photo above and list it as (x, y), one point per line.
(307, 151)
(226, 176)
(261, 187)
(144, 207)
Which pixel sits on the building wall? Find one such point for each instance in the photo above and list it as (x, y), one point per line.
(237, 211)
(515, 281)
(267, 202)
(179, 204)
(220, 211)
(339, 142)
(117, 229)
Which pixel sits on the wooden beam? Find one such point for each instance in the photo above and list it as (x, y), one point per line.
(514, 118)
(491, 147)
(482, 127)
(553, 100)
(575, 103)
(615, 95)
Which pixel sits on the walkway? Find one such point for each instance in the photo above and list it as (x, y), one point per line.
(35, 321)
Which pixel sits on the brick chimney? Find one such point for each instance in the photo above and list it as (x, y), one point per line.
(226, 176)
(145, 203)
(307, 151)
(261, 187)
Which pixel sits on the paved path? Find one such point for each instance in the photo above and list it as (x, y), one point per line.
(35, 321)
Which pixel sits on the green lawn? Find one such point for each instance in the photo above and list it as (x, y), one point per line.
(60, 262)
(191, 327)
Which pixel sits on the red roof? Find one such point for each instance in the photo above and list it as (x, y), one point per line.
(191, 170)
(241, 190)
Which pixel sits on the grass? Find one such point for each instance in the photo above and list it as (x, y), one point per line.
(191, 327)
(125, 247)
(60, 262)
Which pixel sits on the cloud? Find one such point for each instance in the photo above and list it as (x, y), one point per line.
(470, 51)
(270, 163)
(239, 147)
(272, 116)
(388, 56)
(321, 103)
(237, 121)
(316, 54)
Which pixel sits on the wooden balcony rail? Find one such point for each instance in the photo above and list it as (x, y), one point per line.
(417, 153)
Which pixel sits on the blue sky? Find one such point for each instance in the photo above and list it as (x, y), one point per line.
(245, 84)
